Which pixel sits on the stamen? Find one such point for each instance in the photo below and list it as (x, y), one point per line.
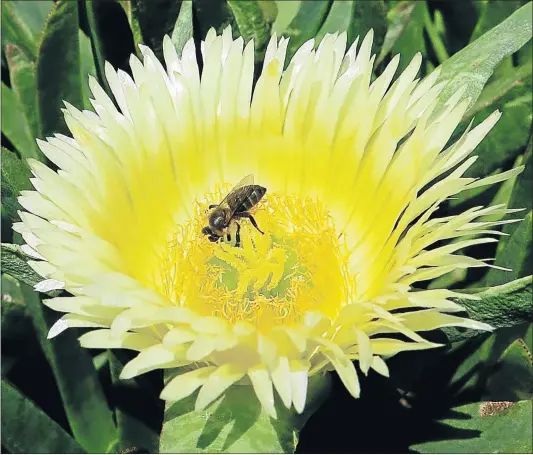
(298, 265)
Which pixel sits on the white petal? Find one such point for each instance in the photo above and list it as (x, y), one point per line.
(263, 388)
(185, 384)
(225, 376)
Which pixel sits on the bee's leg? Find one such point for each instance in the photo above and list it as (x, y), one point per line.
(252, 220)
(238, 235)
(212, 206)
(228, 236)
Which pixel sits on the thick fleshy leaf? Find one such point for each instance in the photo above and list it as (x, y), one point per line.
(23, 85)
(84, 401)
(487, 427)
(523, 187)
(130, 8)
(22, 22)
(213, 13)
(480, 360)
(493, 13)
(512, 380)
(473, 65)
(27, 429)
(87, 68)
(235, 423)
(58, 67)
(500, 306)
(305, 24)
(252, 23)
(339, 19)
(96, 45)
(15, 178)
(14, 124)
(135, 405)
(183, 29)
(286, 13)
(510, 94)
(437, 42)
(458, 20)
(156, 18)
(356, 18)
(404, 33)
(17, 328)
(515, 254)
(367, 16)
(14, 263)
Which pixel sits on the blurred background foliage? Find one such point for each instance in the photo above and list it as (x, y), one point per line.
(474, 395)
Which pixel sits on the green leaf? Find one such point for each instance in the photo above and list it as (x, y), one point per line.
(59, 67)
(493, 13)
(457, 19)
(500, 306)
(83, 398)
(213, 13)
(26, 428)
(270, 10)
(339, 19)
(15, 178)
(96, 44)
(512, 379)
(305, 24)
(16, 320)
(131, 13)
(14, 124)
(515, 254)
(87, 67)
(22, 22)
(15, 265)
(477, 361)
(523, 187)
(156, 18)
(287, 10)
(369, 15)
(17, 329)
(183, 29)
(11, 293)
(473, 65)
(510, 94)
(400, 19)
(23, 84)
(356, 17)
(236, 423)
(405, 33)
(129, 394)
(489, 427)
(436, 41)
(252, 24)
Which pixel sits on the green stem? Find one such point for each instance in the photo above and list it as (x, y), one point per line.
(436, 42)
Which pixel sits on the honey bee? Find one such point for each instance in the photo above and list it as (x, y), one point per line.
(236, 205)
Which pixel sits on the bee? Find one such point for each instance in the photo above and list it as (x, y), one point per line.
(236, 205)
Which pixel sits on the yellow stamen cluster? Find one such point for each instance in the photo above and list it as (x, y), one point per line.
(298, 265)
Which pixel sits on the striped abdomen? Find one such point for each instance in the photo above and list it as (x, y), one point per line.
(246, 197)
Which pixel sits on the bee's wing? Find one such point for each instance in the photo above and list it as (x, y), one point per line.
(238, 194)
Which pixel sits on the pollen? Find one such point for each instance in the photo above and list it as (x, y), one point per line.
(298, 265)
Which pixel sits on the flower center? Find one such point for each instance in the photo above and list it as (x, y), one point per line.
(299, 264)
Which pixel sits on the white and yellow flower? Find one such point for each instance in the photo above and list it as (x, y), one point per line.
(354, 171)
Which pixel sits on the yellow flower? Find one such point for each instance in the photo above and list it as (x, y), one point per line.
(353, 169)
